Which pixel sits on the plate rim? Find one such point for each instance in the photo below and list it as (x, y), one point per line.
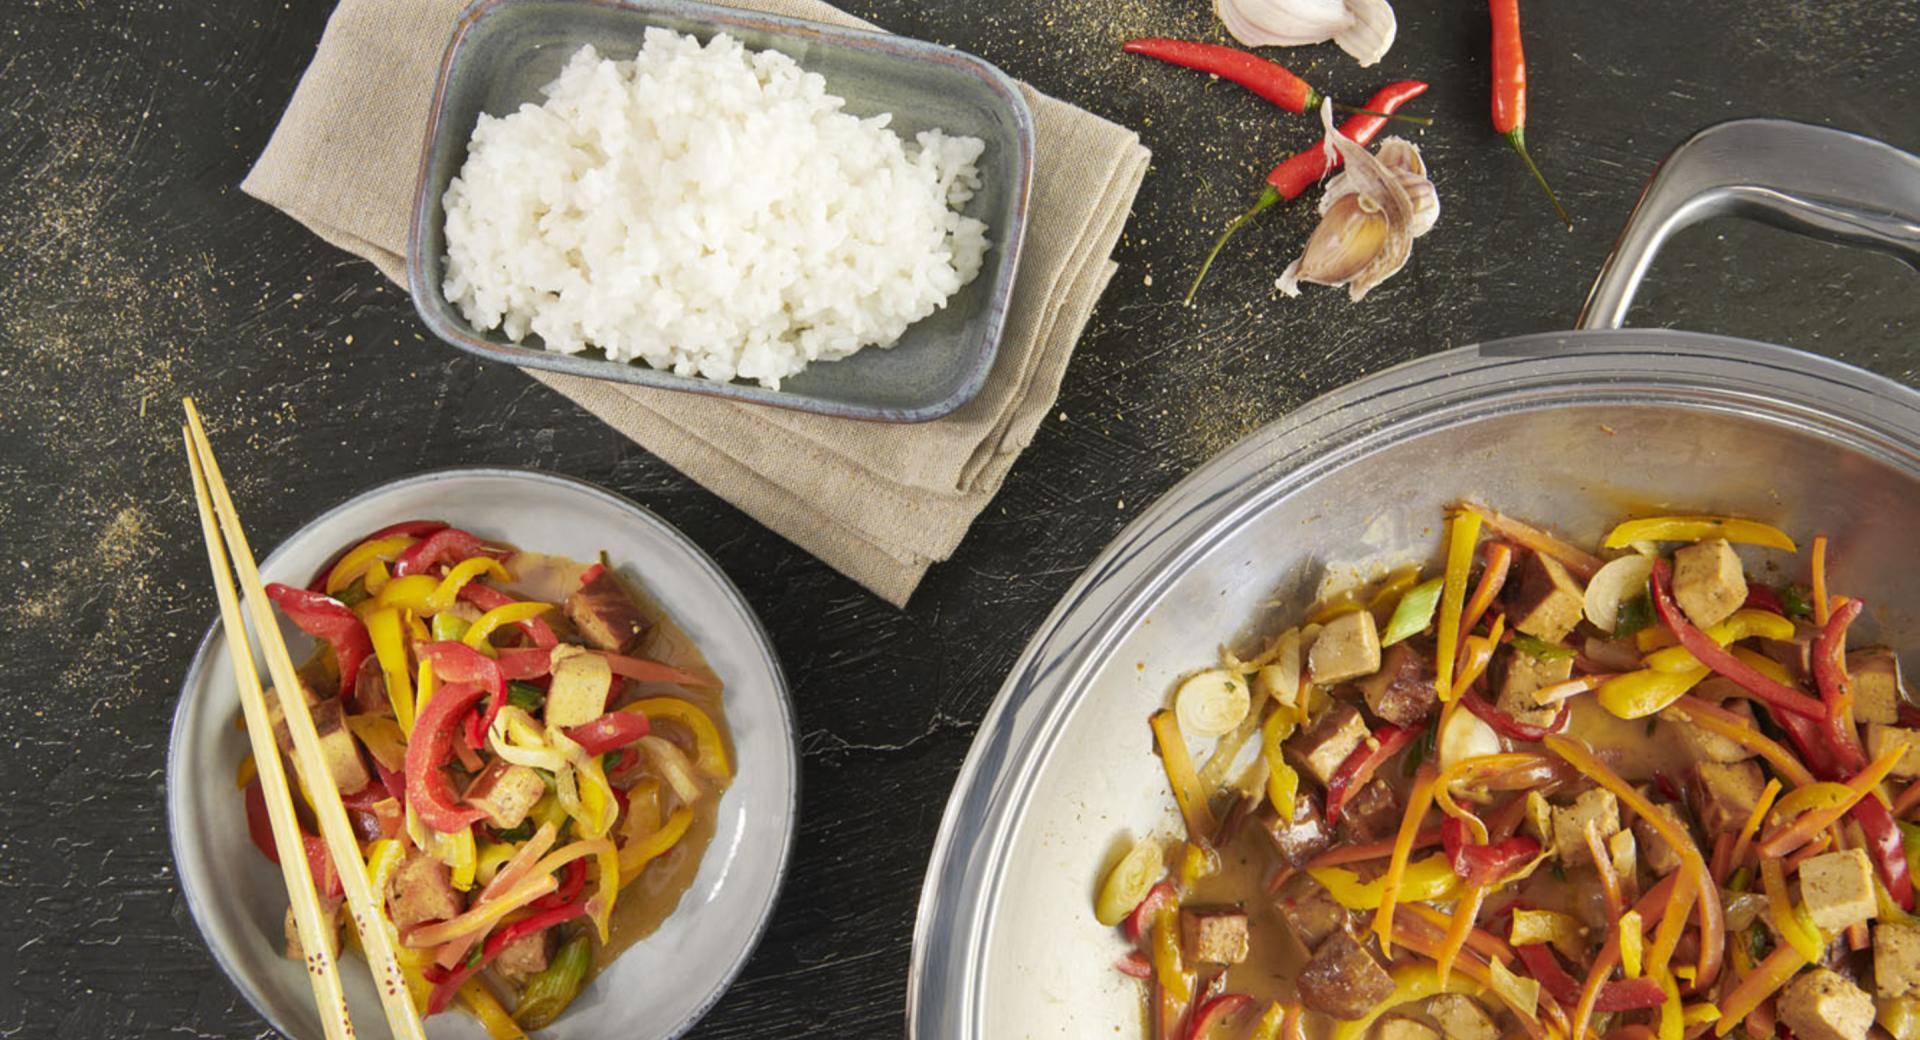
(202, 660)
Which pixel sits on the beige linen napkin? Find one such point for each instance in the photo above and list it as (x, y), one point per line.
(880, 503)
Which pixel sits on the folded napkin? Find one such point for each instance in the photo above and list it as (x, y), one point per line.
(880, 503)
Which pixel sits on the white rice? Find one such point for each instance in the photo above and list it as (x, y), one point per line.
(708, 210)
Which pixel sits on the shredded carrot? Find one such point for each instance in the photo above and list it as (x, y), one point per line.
(1442, 787)
(1575, 559)
(1560, 691)
(1479, 653)
(1721, 864)
(1479, 940)
(1809, 823)
(1673, 921)
(1909, 797)
(1340, 856)
(1464, 911)
(1418, 801)
(1857, 938)
(1760, 1021)
(1717, 720)
(1820, 844)
(1751, 827)
(1768, 976)
(1463, 531)
(1652, 908)
(1493, 576)
(1603, 865)
(1822, 609)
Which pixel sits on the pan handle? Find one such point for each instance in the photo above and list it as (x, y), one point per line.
(1815, 180)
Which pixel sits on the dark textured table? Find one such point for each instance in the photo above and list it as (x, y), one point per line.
(132, 271)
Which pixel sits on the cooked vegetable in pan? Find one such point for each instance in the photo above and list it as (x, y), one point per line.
(1542, 791)
(531, 751)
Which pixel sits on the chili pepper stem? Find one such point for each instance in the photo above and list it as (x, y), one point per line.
(1518, 138)
(1358, 111)
(1268, 196)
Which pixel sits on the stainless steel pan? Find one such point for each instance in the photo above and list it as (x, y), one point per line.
(1570, 428)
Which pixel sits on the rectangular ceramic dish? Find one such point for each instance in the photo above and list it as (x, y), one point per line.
(504, 51)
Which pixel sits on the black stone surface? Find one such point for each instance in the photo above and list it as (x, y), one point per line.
(133, 271)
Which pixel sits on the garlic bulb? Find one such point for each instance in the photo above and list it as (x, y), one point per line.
(1370, 214)
(1362, 28)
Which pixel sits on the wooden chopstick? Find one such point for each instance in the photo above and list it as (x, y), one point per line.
(316, 937)
(368, 919)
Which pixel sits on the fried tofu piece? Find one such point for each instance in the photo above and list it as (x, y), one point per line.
(1398, 1028)
(1598, 809)
(1401, 691)
(370, 694)
(1708, 581)
(1878, 691)
(581, 683)
(338, 748)
(1461, 1017)
(1880, 738)
(421, 891)
(1655, 851)
(1302, 838)
(605, 616)
(1371, 814)
(506, 793)
(1319, 751)
(1703, 744)
(295, 952)
(525, 957)
(1343, 980)
(1213, 935)
(1310, 910)
(1724, 794)
(1525, 674)
(1896, 959)
(1838, 888)
(1823, 1005)
(1544, 600)
(1348, 647)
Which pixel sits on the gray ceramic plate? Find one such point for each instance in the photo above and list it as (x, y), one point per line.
(663, 984)
(503, 52)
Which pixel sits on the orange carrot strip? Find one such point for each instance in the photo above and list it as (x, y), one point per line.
(1465, 910)
(1767, 977)
(1715, 719)
(1609, 877)
(1909, 798)
(1751, 827)
(1577, 560)
(1802, 829)
(1418, 801)
(1480, 941)
(1492, 577)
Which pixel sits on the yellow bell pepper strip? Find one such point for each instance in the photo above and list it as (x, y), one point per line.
(383, 738)
(383, 858)
(1273, 1022)
(250, 769)
(1802, 830)
(1822, 795)
(413, 592)
(445, 594)
(1780, 909)
(1767, 977)
(1699, 1014)
(1424, 881)
(1418, 801)
(1672, 1026)
(359, 558)
(376, 578)
(1632, 940)
(1197, 862)
(636, 854)
(710, 751)
(1413, 612)
(1744, 624)
(1493, 577)
(1712, 920)
(479, 1000)
(1387, 597)
(416, 630)
(1698, 528)
(447, 626)
(390, 649)
(1582, 563)
(1282, 782)
(1638, 694)
(1721, 722)
(1167, 967)
(423, 690)
(1463, 533)
(1172, 745)
(506, 614)
(1822, 603)
(1411, 982)
(606, 890)
(492, 856)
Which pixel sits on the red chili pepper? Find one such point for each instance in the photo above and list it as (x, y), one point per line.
(1619, 995)
(1510, 91)
(447, 545)
(1887, 847)
(1135, 964)
(1759, 597)
(1359, 767)
(326, 880)
(1836, 689)
(615, 729)
(447, 983)
(1268, 79)
(329, 620)
(486, 597)
(1483, 864)
(1141, 919)
(643, 670)
(456, 662)
(429, 791)
(1510, 727)
(1716, 657)
(1302, 171)
(1215, 1013)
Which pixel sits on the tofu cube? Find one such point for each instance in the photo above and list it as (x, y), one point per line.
(295, 952)
(1713, 747)
(581, 683)
(506, 793)
(278, 719)
(337, 746)
(1343, 980)
(1348, 647)
(1305, 836)
(1401, 691)
(1597, 809)
(1655, 851)
(1525, 674)
(1398, 1028)
(1310, 910)
(605, 616)
(1461, 1017)
(1838, 888)
(421, 890)
(1880, 738)
(1823, 1005)
(1214, 936)
(1545, 601)
(1878, 691)
(1725, 794)
(1708, 581)
(1319, 751)
(1371, 814)
(1896, 959)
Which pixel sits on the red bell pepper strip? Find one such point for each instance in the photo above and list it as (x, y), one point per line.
(1484, 864)
(406, 528)
(1135, 964)
(456, 662)
(1886, 847)
(395, 783)
(1716, 657)
(615, 729)
(642, 670)
(587, 576)
(486, 597)
(1141, 919)
(1619, 995)
(525, 662)
(447, 545)
(447, 983)
(573, 877)
(1759, 597)
(329, 620)
(1830, 677)
(326, 880)
(1360, 766)
(1510, 727)
(1215, 1012)
(1510, 91)
(429, 791)
(1294, 175)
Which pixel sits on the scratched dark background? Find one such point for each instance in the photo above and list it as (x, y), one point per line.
(133, 271)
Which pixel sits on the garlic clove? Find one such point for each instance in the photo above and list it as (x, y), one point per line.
(1348, 239)
(1370, 33)
(1284, 23)
(1370, 214)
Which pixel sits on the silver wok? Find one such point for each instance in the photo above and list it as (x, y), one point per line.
(1571, 429)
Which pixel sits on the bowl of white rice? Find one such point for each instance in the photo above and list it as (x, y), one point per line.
(698, 198)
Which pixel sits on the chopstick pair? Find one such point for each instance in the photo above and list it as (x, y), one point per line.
(218, 516)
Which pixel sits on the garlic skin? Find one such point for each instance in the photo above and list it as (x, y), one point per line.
(1362, 28)
(1370, 213)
